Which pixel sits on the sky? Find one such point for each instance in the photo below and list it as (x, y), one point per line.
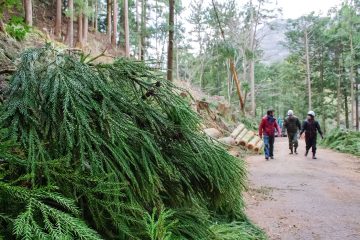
(292, 8)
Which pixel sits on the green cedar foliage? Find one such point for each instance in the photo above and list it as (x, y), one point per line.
(108, 151)
(343, 141)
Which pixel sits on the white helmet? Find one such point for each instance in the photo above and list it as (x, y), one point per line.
(311, 113)
(290, 113)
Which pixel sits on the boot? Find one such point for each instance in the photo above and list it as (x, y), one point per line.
(306, 153)
(296, 151)
(314, 157)
(291, 150)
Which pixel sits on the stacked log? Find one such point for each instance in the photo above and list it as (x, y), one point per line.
(245, 140)
(240, 136)
(237, 131)
(258, 146)
(252, 143)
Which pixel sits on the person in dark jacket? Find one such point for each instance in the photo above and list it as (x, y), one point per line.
(292, 125)
(311, 127)
(267, 129)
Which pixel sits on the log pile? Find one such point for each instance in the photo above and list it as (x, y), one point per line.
(239, 137)
(246, 138)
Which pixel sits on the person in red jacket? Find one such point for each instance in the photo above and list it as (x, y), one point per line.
(267, 129)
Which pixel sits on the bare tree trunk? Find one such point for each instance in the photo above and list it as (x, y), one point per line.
(80, 29)
(338, 94)
(357, 107)
(322, 104)
(252, 61)
(352, 83)
(70, 30)
(85, 23)
(156, 35)
(308, 79)
(138, 28)
(143, 29)
(126, 28)
(171, 40)
(115, 23)
(28, 12)
(58, 18)
(2, 28)
(96, 16)
(108, 21)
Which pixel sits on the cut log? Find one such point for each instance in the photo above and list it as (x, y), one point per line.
(227, 140)
(234, 153)
(240, 136)
(251, 145)
(245, 140)
(237, 130)
(258, 146)
(212, 132)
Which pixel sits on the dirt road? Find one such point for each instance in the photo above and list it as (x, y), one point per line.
(293, 197)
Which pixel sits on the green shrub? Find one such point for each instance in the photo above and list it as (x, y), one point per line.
(343, 141)
(17, 28)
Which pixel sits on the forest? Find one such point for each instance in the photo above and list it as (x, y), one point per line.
(97, 140)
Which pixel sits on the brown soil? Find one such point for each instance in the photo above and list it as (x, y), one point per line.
(294, 197)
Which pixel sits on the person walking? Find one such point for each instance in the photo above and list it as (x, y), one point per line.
(267, 128)
(292, 125)
(311, 127)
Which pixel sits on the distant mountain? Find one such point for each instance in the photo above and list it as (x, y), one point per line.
(271, 37)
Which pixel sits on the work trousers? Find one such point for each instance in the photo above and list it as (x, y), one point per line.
(293, 140)
(269, 146)
(310, 143)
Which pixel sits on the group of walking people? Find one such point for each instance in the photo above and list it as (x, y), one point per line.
(310, 126)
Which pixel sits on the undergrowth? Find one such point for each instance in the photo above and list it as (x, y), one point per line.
(110, 151)
(345, 141)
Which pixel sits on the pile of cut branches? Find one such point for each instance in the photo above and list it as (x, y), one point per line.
(342, 140)
(110, 151)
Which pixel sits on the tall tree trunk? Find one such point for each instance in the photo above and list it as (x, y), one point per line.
(108, 19)
(338, 95)
(126, 28)
(80, 29)
(143, 29)
(252, 87)
(115, 23)
(58, 18)
(352, 83)
(138, 31)
(322, 85)
(357, 105)
(252, 60)
(28, 12)
(85, 23)
(70, 30)
(2, 28)
(308, 74)
(346, 108)
(96, 16)
(170, 58)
